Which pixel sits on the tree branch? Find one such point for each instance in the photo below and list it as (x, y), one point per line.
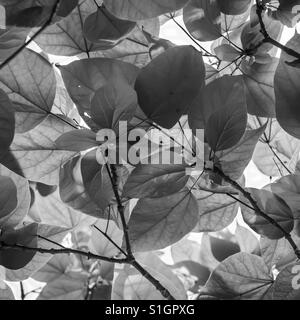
(259, 11)
(256, 208)
(89, 255)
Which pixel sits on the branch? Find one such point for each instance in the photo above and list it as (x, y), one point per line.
(256, 208)
(259, 11)
(89, 255)
(130, 257)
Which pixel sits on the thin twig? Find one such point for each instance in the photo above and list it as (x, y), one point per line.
(89, 255)
(267, 38)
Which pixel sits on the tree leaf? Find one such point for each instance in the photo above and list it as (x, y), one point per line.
(157, 223)
(10, 40)
(85, 77)
(66, 38)
(274, 207)
(23, 199)
(113, 103)
(142, 9)
(202, 19)
(5, 292)
(246, 239)
(63, 282)
(34, 154)
(286, 285)
(100, 244)
(167, 86)
(259, 82)
(7, 122)
(155, 181)
(225, 110)
(105, 29)
(77, 140)
(216, 211)
(226, 52)
(234, 161)
(234, 7)
(241, 276)
(30, 83)
(287, 79)
(8, 197)
(129, 284)
(278, 253)
(51, 210)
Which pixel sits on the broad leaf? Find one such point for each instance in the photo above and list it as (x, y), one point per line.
(106, 30)
(287, 79)
(30, 83)
(202, 19)
(157, 223)
(225, 111)
(142, 9)
(168, 85)
(34, 154)
(234, 7)
(8, 198)
(287, 284)
(259, 82)
(241, 276)
(273, 206)
(155, 181)
(85, 77)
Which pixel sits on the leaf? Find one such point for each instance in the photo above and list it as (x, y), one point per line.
(135, 48)
(234, 161)
(287, 12)
(142, 9)
(234, 7)
(8, 197)
(279, 252)
(275, 207)
(77, 140)
(28, 13)
(63, 281)
(225, 110)
(10, 40)
(105, 29)
(167, 86)
(23, 263)
(7, 122)
(227, 52)
(30, 83)
(23, 199)
(223, 248)
(286, 285)
(216, 211)
(157, 223)
(34, 154)
(251, 36)
(100, 244)
(113, 103)
(246, 239)
(84, 78)
(65, 7)
(241, 276)
(66, 38)
(71, 186)
(202, 19)
(287, 79)
(155, 181)
(129, 284)
(259, 82)
(5, 292)
(281, 146)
